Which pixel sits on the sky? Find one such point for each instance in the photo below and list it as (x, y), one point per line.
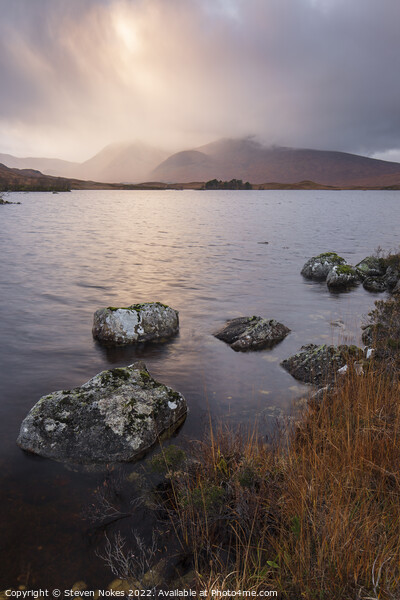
(76, 75)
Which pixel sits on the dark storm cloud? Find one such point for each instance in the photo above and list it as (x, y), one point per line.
(315, 73)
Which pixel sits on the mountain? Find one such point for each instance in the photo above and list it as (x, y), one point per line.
(122, 163)
(224, 160)
(250, 161)
(116, 163)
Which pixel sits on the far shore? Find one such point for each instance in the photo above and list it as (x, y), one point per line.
(67, 185)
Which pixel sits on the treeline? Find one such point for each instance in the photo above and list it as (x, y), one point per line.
(233, 184)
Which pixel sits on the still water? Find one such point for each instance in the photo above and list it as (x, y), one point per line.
(210, 255)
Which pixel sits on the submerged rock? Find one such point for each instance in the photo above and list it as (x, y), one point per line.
(341, 277)
(320, 364)
(115, 416)
(252, 333)
(136, 323)
(3, 202)
(318, 267)
(370, 266)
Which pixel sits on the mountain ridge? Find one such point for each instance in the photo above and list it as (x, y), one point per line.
(224, 159)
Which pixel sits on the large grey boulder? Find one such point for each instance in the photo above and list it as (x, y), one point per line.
(342, 277)
(135, 323)
(370, 266)
(252, 333)
(318, 267)
(115, 416)
(319, 364)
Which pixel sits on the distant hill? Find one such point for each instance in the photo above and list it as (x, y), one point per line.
(250, 161)
(223, 160)
(30, 180)
(116, 163)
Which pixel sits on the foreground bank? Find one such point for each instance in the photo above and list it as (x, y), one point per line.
(312, 516)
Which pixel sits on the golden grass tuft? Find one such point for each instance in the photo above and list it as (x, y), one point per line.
(316, 516)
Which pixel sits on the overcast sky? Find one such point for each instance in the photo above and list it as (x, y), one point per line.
(76, 75)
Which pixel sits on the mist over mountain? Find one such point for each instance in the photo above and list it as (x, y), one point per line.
(224, 159)
(122, 163)
(48, 166)
(250, 161)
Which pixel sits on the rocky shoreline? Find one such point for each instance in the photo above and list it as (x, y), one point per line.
(376, 273)
(119, 414)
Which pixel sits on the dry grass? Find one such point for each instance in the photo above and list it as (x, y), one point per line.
(316, 516)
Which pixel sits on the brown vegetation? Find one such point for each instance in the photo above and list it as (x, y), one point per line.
(314, 517)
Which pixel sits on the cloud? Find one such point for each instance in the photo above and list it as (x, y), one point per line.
(312, 73)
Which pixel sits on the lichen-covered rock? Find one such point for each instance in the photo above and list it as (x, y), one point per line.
(318, 267)
(150, 321)
(252, 333)
(370, 266)
(319, 364)
(374, 284)
(341, 277)
(115, 416)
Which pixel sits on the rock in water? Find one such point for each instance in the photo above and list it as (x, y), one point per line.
(342, 277)
(374, 284)
(318, 267)
(320, 364)
(115, 416)
(370, 266)
(252, 333)
(136, 323)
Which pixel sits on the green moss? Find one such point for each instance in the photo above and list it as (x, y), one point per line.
(345, 270)
(136, 307)
(119, 373)
(330, 255)
(161, 304)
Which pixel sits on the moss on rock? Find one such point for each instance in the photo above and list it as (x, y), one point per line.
(115, 416)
